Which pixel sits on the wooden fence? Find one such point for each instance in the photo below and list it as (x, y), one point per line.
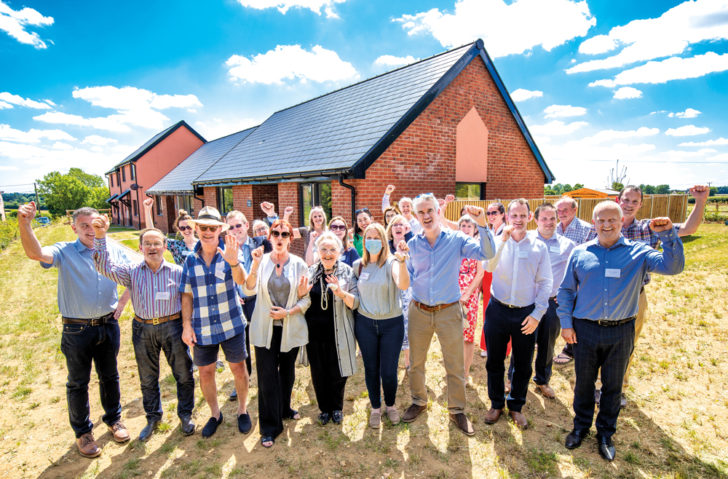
(673, 206)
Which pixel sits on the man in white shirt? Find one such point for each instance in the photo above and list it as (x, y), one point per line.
(520, 291)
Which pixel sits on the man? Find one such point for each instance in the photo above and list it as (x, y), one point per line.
(519, 298)
(154, 285)
(434, 265)
(576, 230)
(89, 306)
(211, 314)
(239, 227)
(597, 306)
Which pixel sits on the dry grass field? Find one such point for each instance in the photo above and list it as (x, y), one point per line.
(674, 426)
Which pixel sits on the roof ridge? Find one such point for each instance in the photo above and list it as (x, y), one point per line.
(231, 134)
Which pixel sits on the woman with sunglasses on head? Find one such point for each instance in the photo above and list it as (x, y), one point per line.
(399, 230)
(471, 275)
(277, 328)
(379, 323)
(180, 248)
(363, 218)
(338, 226)
(331, 347)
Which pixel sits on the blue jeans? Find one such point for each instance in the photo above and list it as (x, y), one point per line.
(82, 345)
(380, 341)
(149, 340)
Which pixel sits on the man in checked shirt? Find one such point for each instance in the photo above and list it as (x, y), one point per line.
(154, 285)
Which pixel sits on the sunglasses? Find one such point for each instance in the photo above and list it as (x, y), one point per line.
(491, 213)
(337, 227)
(424, 194)
(184, 228)
(205, 228)
(282, 234)
(363, 210)
(237, 226)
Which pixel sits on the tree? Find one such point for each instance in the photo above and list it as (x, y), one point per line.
(92, 181)
(662, 190)
(617, 186)
(617, 176)
(72, 191)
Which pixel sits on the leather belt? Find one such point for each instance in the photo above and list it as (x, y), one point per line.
(610, 322)
(159, 320)
(89, 322)
(433, 309)
(506, 305)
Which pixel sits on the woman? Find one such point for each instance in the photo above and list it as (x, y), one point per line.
(363, 219)
(277, 328)
(399, 230)
(180, 248)
(379, 324)
(496, 221)
(338, 226)
(260, 228)
(471, 275)
(316, 226)
(389, 213)
(405, 206)
(331, 344)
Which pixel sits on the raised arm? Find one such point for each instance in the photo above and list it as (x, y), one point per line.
(148, 216)
(118, 273)
(251, 282)
(399, 271)
(30, 242)
(486, 248)
(700, 193)
(385, 197)
(672, 259)
(230, 255)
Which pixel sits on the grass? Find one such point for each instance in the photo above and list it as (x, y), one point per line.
(674, 425)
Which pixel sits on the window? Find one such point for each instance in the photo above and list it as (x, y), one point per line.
(135, 207)
(123, 174)
(224, 200)
(184, 203)
(111, 180)
(158, 204)
(132, 171)
(315, 194)
(118, 181)
(469, 191)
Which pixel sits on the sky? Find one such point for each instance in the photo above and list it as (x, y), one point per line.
(83, 84)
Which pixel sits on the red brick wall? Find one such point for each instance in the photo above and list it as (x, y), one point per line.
(241, 195)
(288, 196)
(197, 205)
(263, 193)
(210, 197)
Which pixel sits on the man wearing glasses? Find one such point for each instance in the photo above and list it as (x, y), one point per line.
(211, 314)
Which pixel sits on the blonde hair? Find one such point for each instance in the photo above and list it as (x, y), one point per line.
(310, 215)
(395, 219)
(384, 253)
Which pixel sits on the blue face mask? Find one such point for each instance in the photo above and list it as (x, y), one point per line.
(374, 246)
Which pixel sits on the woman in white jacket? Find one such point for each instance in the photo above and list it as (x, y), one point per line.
(277, 328)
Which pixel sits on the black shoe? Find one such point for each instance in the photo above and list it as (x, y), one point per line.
(573, 440)
(186, 426)
(606, 448)
(597, 396)
(211, 426)
(324, 418)
(244, 424)
(149, 429)
(234, 395)
(337, 416)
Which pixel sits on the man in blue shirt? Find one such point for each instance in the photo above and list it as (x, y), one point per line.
(434, 266)
(597, 306)
(90, 309)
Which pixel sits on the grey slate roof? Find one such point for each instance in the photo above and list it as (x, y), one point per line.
(331, 133)
(179, 180)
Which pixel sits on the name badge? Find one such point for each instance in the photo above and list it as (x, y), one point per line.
(220, 275)
(612, 273)
(523, 254)
(162, 296)
(554, 249)
(364, 276)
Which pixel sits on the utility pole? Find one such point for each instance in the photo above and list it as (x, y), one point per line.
(2, 207)
(37, 201)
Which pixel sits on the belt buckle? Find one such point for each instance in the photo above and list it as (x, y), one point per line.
(94, 322)
(155, 321)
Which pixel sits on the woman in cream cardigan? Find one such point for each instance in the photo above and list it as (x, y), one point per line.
(277, 328)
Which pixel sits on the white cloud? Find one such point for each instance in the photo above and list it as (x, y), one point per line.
(626, 93)
(14, 22)
(215, 128)
(716, 142)
(523, 95)
(687, 130)
(96, 140)
(670, 34)
(614, 135)
(291, 62)
(688, 113)
(5, 106)
(392, 61)
(674, 68)
(18, 100)
(7, 133)
(506, 27)
(315, 6)
(563, 111)
(556, 128)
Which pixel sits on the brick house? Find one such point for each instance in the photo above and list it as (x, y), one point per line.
(129, 179)
(445, 124)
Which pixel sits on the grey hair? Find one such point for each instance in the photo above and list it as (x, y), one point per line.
(330, 236)
(568, 199)
(405, 199)
(465, 219)
(607, 205)
(427, 197)
(85, 211)
(259, 222)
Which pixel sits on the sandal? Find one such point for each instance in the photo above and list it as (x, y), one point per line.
(267, 441)
(563, 359)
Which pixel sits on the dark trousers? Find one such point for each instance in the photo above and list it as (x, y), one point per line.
(503, 324)
(83, 345)
(149, 340)
(276, 374)
(548, 330)
(380, 342)
(608, 348)
(248, 308)
(328, 384)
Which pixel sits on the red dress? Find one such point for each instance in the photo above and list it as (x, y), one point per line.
(468, 271)
(487, 280)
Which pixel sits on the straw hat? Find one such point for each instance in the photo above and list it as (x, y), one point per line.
(211, 217)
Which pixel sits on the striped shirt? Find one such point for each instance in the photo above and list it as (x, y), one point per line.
(216, 312)
(578, 231)
(153, 293)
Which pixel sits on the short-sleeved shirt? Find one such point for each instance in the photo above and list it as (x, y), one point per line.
(83, 292)
(379, 296)
(216, 311)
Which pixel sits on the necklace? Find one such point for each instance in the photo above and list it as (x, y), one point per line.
(324, 294)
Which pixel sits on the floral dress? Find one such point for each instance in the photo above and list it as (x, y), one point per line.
(468, 271)
(179, 250)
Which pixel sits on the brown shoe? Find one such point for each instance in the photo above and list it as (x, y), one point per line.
(119, 432)
(519, 419)
(492, 415)
(463, 423)
(507, 386)
(546, 391)
(87, 446)
(412, 412)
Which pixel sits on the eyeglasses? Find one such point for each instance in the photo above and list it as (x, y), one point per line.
(184, 228)
(338, 227)
(282, 234)
(152, 245)
(205, 228)
(261, 229)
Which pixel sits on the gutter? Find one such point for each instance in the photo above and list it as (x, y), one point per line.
(353, 197)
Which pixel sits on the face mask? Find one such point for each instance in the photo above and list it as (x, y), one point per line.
(374, 246)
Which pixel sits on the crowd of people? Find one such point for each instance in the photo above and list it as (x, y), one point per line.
(380, 290)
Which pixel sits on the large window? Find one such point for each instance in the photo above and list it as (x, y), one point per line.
(132, 171)
(184, 203)
(135, 207)
(158, 204)
(469, 191)
(225, 200)
(123, 174)
(315, 194)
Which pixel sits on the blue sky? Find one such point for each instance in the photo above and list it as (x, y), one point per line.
(83, 84)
